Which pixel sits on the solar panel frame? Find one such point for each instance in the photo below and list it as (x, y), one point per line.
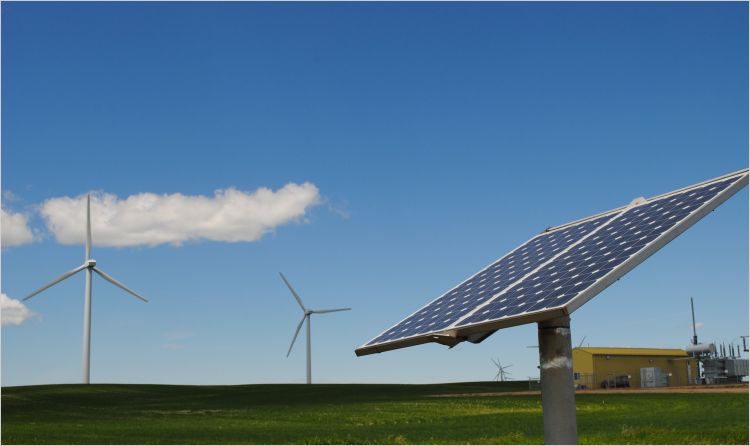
(476, 332)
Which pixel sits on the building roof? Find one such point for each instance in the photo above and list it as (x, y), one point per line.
(618, 351)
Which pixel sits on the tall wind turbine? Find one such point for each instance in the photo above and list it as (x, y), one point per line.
(306, 317)
(89, 265)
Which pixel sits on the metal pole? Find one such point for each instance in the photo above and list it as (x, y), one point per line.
(695, 334)
(87, 328)
(309, 353)
(556, 370)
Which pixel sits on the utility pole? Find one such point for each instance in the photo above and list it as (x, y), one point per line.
(695, 333)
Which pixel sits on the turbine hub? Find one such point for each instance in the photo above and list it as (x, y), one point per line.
(90, 263)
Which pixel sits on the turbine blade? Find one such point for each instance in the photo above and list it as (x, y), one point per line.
(58, 280)
(299, 327)
(88, 227)
(496, 363)
(330, 310)
(117, 283)
(294, 293)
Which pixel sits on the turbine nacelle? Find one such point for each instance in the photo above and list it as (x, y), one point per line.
(90, 263)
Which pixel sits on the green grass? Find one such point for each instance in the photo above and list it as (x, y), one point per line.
(385, 414)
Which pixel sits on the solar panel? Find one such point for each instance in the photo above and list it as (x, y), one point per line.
(558, 270)
(458, 302)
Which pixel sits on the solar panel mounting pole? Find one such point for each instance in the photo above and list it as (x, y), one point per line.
(556, 374)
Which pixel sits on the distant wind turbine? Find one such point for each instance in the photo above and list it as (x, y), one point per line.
(581, 343)
(89, 265)
(502, 375)
(306, 317)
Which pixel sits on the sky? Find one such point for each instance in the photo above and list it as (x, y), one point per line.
(377, 154)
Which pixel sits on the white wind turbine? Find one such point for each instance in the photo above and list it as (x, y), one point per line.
(89, 265)
(306, 317)
(502, 374)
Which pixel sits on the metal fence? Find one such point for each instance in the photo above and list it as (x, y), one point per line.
(623, 379)
(602, 381)
(535, 383)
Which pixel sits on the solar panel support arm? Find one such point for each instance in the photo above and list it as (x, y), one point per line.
(476, 338)
(450, 341)
(451, 338)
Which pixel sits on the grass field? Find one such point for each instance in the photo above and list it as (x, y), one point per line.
(385, 414)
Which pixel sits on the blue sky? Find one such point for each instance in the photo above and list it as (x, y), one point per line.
(438, 138)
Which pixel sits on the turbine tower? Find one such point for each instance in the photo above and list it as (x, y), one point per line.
(89, 265)
(306, 318)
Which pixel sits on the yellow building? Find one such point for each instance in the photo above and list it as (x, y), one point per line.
(596, 367)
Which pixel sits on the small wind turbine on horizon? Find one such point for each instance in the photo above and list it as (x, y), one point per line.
(501, 373)
(89, 265)
(306, 317)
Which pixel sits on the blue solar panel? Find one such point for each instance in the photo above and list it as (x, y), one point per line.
(561, 280)
(456, 303)
(559, 270)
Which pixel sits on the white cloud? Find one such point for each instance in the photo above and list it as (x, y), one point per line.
(230, 215)
(14, 229)
(10, 197)
(14, 312)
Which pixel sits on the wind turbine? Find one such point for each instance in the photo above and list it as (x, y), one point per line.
(89, 265)
(501, 373)
(306, 317)
(581, 343)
